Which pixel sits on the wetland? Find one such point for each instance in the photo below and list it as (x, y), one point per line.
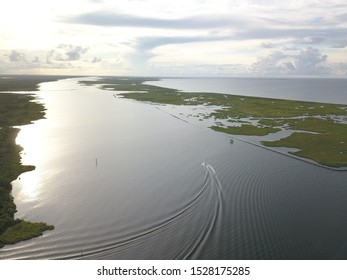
(121, 176)
(15, 110)
(320, 128)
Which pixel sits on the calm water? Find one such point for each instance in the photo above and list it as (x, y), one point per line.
(123, 180)
(307, 89)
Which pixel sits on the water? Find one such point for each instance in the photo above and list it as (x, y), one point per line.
(303, 89)
(123, 180)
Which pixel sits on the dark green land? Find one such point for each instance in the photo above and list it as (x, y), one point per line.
(323, 137)
(25, 82)
(23, 230)
(16, 109)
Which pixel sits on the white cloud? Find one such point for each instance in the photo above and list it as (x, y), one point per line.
(96, 59)
(272, 64)
(342, 69)
(16, 56)
(307, 62)
(289, 35)
(62, 58)
(267, 45)
(66, 52)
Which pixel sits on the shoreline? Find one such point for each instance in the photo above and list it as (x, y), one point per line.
(16, 110)
(322, 136)
(306, 160)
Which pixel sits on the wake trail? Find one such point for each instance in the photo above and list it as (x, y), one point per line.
(209, 196)
(212, 221)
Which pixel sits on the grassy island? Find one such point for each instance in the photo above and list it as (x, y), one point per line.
(320, 130)
(15, 109)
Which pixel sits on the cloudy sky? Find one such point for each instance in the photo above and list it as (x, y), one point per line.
(174, 38)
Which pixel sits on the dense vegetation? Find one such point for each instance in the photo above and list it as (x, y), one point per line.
(324, 126)
(25, 82)
(10, 169)
(18, 109)
(23, 230)
(15, 109)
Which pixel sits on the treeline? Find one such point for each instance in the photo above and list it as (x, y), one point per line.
(10, 169)
(26, 82)
(15, 109)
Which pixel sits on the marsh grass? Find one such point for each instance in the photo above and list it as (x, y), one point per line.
(246, 129)
(327, 146)
(270, 115)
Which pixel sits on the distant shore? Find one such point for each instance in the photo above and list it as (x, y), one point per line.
(16, 110)
(320, 129)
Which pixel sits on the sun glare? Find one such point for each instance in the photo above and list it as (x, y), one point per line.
(32, 154)
(28, 139)
(28, 186)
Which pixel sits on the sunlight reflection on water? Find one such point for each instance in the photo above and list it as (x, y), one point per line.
(28, 187)
(135, 203)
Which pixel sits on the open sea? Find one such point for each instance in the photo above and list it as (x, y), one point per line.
(304, 89)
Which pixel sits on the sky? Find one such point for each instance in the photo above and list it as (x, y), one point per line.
(257, 38)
